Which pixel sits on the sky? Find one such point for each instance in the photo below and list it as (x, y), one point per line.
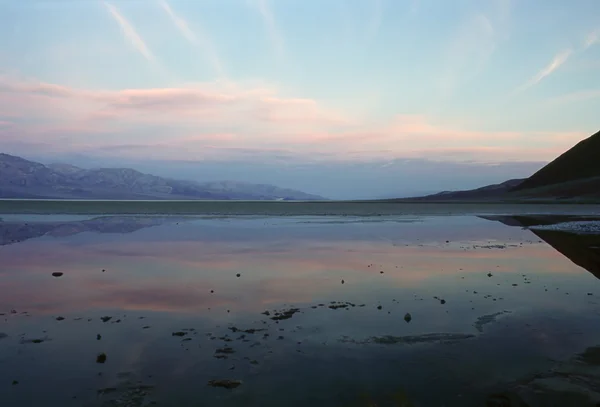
(342, 98)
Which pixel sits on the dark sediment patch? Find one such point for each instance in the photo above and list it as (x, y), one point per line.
(101, 358)
(225, 383)
(246, 331)
(487, 319)
(225, 351)
(574, 382)
(411, 340)
(591, 356)
(286, 314)
(24, 341)
(126, 394)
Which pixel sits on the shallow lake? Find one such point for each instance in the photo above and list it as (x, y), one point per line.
(295, 311)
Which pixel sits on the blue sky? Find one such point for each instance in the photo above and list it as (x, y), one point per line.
(346, 98)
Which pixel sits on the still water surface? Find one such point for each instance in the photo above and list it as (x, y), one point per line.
(294, 311)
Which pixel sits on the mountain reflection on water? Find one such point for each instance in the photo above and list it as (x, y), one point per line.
(581, 249)
(321, 311)
(17, 231)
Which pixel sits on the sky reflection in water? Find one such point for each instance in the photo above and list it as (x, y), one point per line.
(516, 303)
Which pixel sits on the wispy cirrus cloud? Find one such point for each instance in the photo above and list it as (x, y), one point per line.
(558, 60)
(473, 44)
(129, 32)
(273, 32)
(592, 38)
(468, 52)
(200, 40)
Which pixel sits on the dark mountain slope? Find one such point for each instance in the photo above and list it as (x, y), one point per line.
(581, 161)
(487, 192)
(575, 175)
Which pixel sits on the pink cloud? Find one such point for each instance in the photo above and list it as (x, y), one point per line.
(225, 120)
(35, 88)
(159, 99)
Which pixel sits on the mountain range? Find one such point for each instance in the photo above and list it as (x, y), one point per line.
(21, 178)
(573, 175)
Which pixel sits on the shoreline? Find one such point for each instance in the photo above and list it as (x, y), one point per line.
(292, 208)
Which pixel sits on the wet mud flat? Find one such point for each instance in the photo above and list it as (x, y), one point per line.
(417, 311)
